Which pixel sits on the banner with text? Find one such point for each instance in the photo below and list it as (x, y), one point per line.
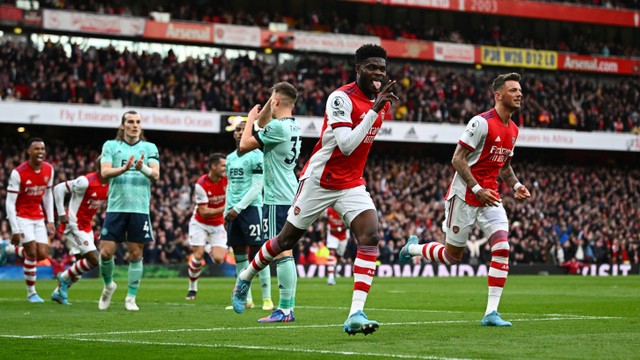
(515, 57)
(103, 117)
(527, 9)
(400, 131)
(458, 53)
(179, 31)
(237, 35)
(330, 43)
(92, 23)
(571, 62)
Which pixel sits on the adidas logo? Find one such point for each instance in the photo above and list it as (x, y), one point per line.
(411, 134)
(209, 193)
(497, 138)
(28, 182)
(94, 195)
(146, 236)
(311, 128)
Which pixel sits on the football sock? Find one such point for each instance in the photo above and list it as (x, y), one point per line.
(364, 268)
(106, 270)
(433, 251)
(265, 282)
(498, 270)
(331, 266)
(76, 270)
(195, 268)
(135, 276)
(265, 256)
(29, 268)
(242, 261)
(285, 268)
(17, 250)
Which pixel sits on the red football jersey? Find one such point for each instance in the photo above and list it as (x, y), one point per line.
(31, 185)
(491, 144)
(213, 194)
(88, 195)
(346, 106)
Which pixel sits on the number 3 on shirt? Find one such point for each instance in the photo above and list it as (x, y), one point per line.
(294, 151)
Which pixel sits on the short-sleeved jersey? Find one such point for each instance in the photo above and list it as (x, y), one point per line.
(491, 144)
(240, 173)
(88, 195)
(131, 191)
(336, 225)
(346, 106)
(212, 194)
(31, 186)
(280, 141)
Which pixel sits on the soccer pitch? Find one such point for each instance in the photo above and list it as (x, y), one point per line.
(554, 317)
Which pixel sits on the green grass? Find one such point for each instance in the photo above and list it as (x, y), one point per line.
(554, 317)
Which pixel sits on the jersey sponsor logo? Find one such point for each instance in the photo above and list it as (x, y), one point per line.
(371, 134)
(499, 154)
(236, 172)
(35, 190)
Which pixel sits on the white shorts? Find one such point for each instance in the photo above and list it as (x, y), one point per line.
(339, 245)
(207, 235)
(79, 242)
(33, 230)
(312, 199)
(460, 217)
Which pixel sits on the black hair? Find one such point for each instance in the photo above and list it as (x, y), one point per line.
(370, 51)
(215, 158)
(32, 140)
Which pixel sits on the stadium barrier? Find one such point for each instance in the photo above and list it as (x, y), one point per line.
(14, 272)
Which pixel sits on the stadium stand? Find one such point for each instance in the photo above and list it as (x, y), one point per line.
(427, 92)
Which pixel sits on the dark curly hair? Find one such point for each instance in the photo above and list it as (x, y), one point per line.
(368, 51)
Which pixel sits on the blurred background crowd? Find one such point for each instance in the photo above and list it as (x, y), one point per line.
(584, 211)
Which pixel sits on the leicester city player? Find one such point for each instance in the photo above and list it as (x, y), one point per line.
(130, 163)
(280, 141)
(243, 211)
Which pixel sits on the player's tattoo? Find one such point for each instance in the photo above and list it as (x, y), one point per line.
(507, 175)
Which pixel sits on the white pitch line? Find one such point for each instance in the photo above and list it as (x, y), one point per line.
(268, 348)
(285, 327)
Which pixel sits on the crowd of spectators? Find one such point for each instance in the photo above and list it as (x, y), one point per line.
(427, 92)
(565, 218)
(333, 17)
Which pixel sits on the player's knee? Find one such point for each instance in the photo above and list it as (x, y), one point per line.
(368, 238)
(92, 257)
